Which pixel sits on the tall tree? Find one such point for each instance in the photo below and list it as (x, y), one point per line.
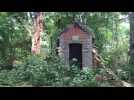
(131, 19)
(36, 39)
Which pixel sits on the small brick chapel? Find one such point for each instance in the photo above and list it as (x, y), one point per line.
(76, 44)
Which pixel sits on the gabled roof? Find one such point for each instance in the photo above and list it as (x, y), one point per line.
(83, 27)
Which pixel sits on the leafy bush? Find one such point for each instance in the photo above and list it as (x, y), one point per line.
(85, 78)
(128, 71)
(36, 71)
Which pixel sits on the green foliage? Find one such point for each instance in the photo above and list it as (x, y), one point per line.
(111, 38)
(54, 73)
(14, 40)
(117, 57)
(115, 53)
(128, 73)
(51, 72)
(85, 78)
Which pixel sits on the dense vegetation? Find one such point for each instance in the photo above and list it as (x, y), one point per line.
(19, 67)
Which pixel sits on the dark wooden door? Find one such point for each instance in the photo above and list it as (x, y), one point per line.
(75, 52)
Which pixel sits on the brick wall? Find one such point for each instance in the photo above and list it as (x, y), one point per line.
(84, 38)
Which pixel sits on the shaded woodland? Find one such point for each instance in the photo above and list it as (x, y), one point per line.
(30, 54)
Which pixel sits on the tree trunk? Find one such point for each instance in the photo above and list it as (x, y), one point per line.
(131, 52)
(36, 39)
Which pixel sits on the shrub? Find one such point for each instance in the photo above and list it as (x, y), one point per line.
(36, 71)
(128, 72)
(85, 78)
